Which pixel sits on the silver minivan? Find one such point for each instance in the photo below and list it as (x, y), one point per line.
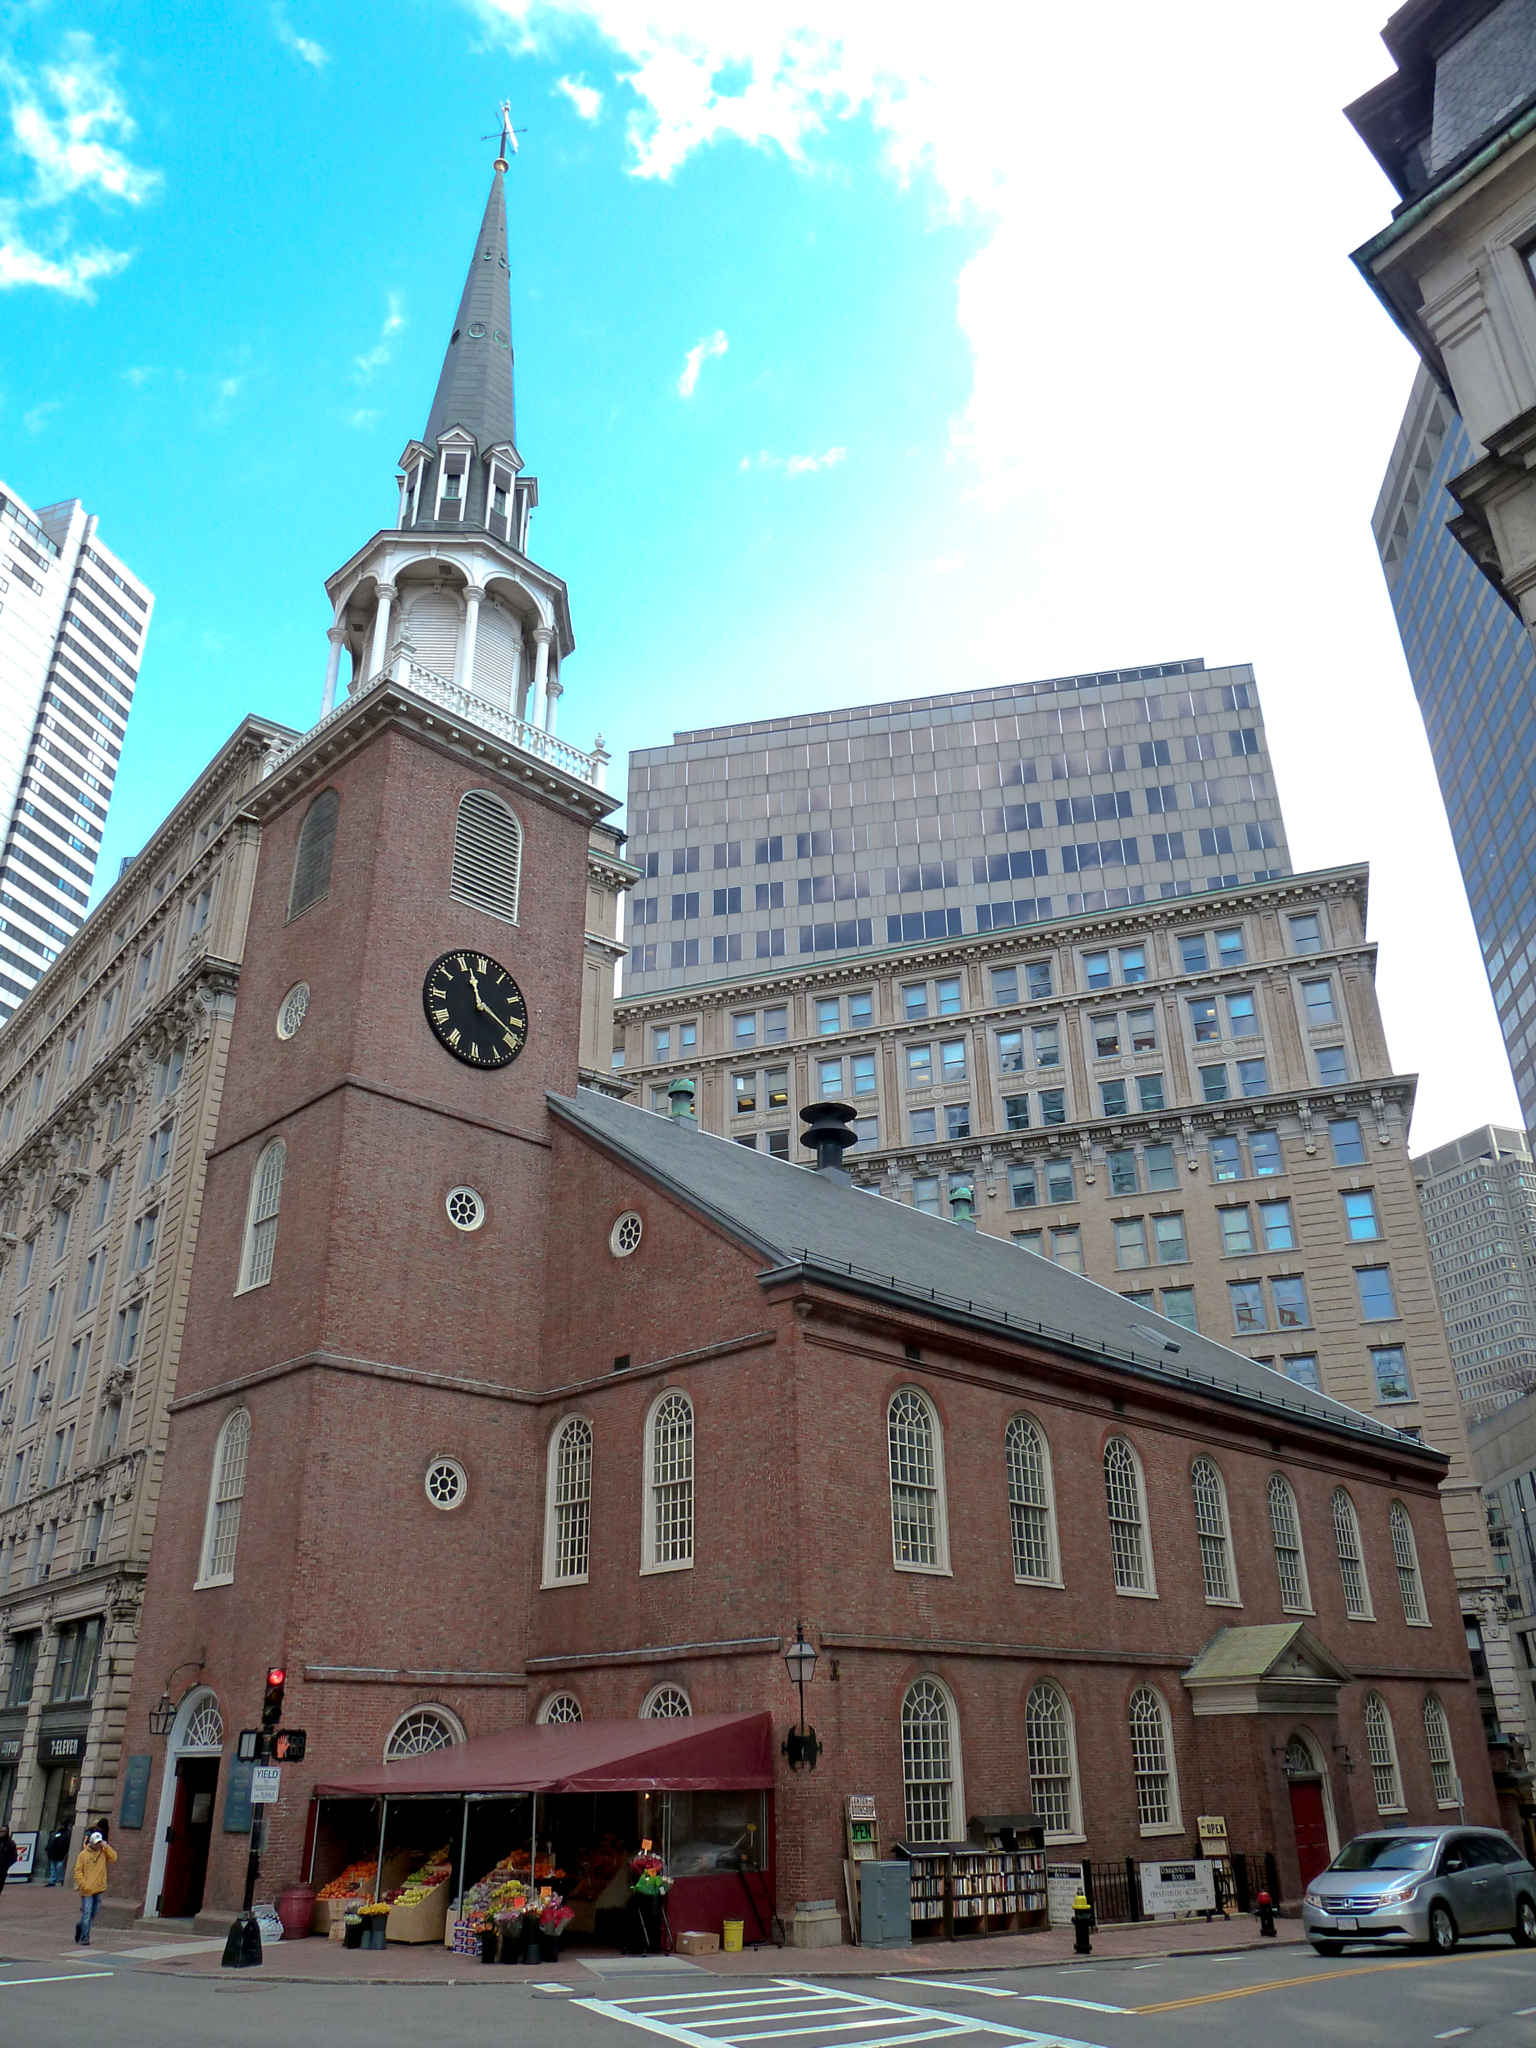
(1431, 1885)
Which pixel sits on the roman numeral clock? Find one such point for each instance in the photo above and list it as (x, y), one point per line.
(475, 1009)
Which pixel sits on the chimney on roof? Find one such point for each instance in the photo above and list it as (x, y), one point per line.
(680, 1100)
(828, 1133)
(962, 1205)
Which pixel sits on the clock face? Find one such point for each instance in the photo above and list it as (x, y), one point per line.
(475, 1009)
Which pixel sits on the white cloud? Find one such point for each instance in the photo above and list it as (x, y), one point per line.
(363, 417)
(39, 415)
(586, 99)
(376, 357)
(138, 375)
(67, 127)
(314, 54)
(794, 465)
(702, 352)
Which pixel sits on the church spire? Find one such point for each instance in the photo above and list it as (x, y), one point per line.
(474, 388)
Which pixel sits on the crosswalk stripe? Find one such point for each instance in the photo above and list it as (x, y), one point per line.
(944, 1984)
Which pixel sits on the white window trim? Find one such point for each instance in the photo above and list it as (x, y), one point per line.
(551, 1469)
(1287, 1606)
(1053, 1544)
(655, 1693)
(1235, 1598)
(1453, 1804)
(445, 1714)
(649, 1567)
(1400, 1804)
(247, 1241)
(1149, 1590)
(1175, 1824)
(1424, 1620)
(204, 1577)
(957, 1807)
(1076, 1832)
(941, 1568)
(1369, 1613)
(542, 1719)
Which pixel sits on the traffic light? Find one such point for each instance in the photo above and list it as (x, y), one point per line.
(272, 1700)
(290, 1746)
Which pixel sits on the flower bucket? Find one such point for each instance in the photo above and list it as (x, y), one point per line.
(731, 1932)
(352, 1934)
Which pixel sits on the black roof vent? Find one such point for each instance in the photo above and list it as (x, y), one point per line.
(828, 1133)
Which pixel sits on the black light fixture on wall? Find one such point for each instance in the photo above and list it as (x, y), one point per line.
(800, 1744)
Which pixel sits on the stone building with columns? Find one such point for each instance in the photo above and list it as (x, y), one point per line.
(111, 1073)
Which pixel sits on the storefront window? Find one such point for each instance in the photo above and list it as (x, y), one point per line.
(712, 1831)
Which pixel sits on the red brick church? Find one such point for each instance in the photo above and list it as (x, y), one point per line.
(512, 1417)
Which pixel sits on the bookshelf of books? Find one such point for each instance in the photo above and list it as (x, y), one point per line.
(995, 1885)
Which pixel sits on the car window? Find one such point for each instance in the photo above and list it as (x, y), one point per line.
(1386, 1852)
(1498, 1849)
(1460, 1854)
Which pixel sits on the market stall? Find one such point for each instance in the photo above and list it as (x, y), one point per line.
(547, 1821)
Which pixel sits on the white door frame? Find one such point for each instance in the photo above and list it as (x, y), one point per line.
(176, 1747)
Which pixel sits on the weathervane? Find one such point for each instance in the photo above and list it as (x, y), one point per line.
(507, 137)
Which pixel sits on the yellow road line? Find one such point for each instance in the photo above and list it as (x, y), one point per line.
(1292, 1983)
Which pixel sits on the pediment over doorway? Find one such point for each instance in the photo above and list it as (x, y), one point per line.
(1280, 1668)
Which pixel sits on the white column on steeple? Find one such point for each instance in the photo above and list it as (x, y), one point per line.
(464, 666)
(542, 635)
(380, 647)
(552, 695)
(337, 635)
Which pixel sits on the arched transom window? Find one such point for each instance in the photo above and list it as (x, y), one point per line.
(666, 1703)
(1381, 1746)
(1346, 1537)
(569, 1521)
(918, 1538)
(487, 855)
(1217, 1570)
(311, 881)
(265, 1199)
(226, 1492)
(1031, 1509)
(1127, 1518)
(930, 1744)
(1157, 1791)
(1405, 1555)
(1290, 1561)
(1442, 1758)
(669, 1484)
(560, 1710)
(1051, 1748)
(205, 1728)
(422, 1730)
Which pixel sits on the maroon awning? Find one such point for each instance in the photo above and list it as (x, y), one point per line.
(704, 1753)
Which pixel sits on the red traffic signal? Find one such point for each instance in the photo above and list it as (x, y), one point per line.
(276, 1676)
(272, 1702)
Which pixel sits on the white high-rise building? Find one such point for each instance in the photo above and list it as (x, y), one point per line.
(73, 619)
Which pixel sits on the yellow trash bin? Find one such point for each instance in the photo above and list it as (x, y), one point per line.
(730, 1936)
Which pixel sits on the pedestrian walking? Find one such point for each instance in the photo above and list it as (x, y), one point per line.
(91, 1880)
(9, 1854)
(56, 1848)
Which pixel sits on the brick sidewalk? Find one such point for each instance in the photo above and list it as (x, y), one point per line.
(37, 1925)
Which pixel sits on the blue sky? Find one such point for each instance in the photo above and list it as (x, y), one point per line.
(1027, 348)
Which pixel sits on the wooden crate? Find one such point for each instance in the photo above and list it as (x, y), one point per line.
(426, 1921)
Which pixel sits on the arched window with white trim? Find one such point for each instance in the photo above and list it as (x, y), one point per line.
(1405, 1555)
(1031, 1502)
(560, 1710)
(1352, 1574)
(1442, 1758)
(669, 1484)
(930, 1763)
(311, 879)
(487, 855)
(226, 1493)
(919, 1535)
(1152, 1760)
(421, 1730)
(262, 1205)
(1290, 1558)
(568, 1508)
(1213, 1530)
(666, 1703)
(1126, 1498)
(1381, 1747)
(1050, 1744)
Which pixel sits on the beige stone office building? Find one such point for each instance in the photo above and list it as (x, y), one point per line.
(1190, 1101)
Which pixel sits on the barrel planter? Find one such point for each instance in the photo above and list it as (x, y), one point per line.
(296, 1911)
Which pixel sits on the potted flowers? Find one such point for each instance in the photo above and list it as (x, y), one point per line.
(374, 1917)
(648, 1887)
(352, 1930)
(554, 1918)
(509, 1932)
(484, 1931)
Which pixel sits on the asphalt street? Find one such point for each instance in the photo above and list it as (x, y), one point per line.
(1484, 1996)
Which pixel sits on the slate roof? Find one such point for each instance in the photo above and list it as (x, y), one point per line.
(474, 389)
(835, 1232)
(1246, 1653)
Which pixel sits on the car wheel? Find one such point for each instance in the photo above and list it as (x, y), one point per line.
(1525, 1922)
(1329, 1948)
(1442, 1929)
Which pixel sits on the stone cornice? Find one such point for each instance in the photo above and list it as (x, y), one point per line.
(608, 869)
(1018, 941)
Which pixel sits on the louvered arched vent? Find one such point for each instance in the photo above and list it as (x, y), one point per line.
(312, 861)
(487, 855)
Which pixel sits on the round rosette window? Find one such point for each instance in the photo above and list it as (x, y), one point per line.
(447, 1483)
(291, 1010)
(466, 1208)
(625, 1235)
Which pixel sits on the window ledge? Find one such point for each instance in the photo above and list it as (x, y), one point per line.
(924, 1571)
(223, 1579)
(1296, 1610)
(1065, 1838)
(1059, 1585)
(1137, 1592)
(682, 1564)
(551, 1585)
(1359, 1617)
(1165, 1827)
(1399, 1808)
(1449, 1805)
(1425, 1623)
(1210, 1601)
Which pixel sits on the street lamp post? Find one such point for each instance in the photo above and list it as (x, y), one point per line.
(800, 1744)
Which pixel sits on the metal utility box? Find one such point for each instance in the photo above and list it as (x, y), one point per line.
(885, 1905)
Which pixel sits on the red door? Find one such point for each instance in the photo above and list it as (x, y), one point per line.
(186, 1841)
(1311, 1827)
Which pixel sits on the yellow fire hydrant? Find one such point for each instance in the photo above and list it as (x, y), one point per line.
(1082, 1921)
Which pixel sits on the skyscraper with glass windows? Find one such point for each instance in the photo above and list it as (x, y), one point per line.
(73, 620)
(1474, 674)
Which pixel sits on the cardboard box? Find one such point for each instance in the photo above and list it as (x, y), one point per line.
(425, 1921)
(698, 1944)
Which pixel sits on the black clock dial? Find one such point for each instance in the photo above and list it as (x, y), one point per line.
(475, 1008)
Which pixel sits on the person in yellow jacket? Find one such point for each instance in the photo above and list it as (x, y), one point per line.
(91, 1880)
